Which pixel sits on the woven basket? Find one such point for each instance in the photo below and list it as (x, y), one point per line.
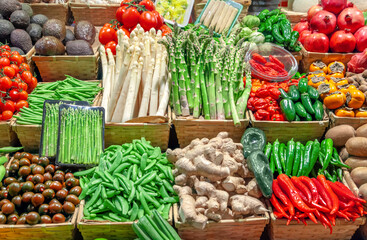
(97, 14)
(7, 136)
(91, 230)
(310, 57)
(249, 228)
(58, 11)
(284, 131)
(293, 17)
(28, 58)
(189, 129)
(354, 122)
(200, 4)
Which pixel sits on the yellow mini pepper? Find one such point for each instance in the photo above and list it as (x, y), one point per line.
(362, 112)
(317, 66)
(336, 67)
(335, 100)
(344, 112)
(355, 98)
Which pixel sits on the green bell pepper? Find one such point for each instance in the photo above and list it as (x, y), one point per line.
(287, 107)
(306, 102)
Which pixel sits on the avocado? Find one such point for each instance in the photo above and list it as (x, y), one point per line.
(49, 46)
(20, 19)
(40, 19)
(85, 30)
(26, 7)
(35, 32)
(6, 28)
(20, 51)
(69, 36)
(20, 38)
(78, 48)
(55, 28)
(9, 6)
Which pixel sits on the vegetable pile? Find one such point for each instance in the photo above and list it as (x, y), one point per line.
(80, 135)
(273, 68)
(137, 84)
(130, 181)
(316, 199)
(35, 191)
(16, 81)
(277, 29)
(173, 10)
(213, 182)
(335, 25)
(70, 89)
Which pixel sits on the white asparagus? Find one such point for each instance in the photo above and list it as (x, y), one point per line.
(117, 65)
(212, 13)
(104, 63)
(221, 17)
(163, 102)
(138, 88)
(153, 104)
(225, 19)
(107, 87)
(222, 5)
(207, 10)
(163, 74)
(231, 18)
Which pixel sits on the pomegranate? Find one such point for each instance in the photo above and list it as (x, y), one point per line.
(342, 41)
(317, 42)
(334, 6)
(301, 26)
(361, 38)
(351, 18)
(323, 22)
(303, 36)
(350, 4)
(312, 11)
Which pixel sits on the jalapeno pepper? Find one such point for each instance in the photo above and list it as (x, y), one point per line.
(297, 159)
(328, 152)
(303, 85)
(275, 153)
(288, 109)
(314, 156)
(277, 34)
(291, 146)
(282, 155)
(306, 102)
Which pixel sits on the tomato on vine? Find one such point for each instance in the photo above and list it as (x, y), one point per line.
(120, 11)
(14, 95)
(5, 83)
(148, 4)
(160, 19)
(107, 34)
(4, 61)
(7, 115)
(148, 20)
(130, 17)
(112, 46)
(20, 104)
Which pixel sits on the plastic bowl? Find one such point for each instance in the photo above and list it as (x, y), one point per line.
(266, 49)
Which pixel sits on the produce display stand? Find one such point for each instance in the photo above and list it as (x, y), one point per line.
(351, 121)
(283, 131)
(58, 11)
(200, 4)
(293, 17)
(97, 14)
(7, 136)
(241, 229)
(309, 57)
(91, 229)
(189, 129)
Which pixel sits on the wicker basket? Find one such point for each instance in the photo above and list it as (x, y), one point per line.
(284, 131)
(91, 230)
(28, 58)
(354, 122)
(189, 129)
(200, 4)
(249, 228)
(310, 57)
(97, 14)
(7, 136)
(293, 17)
(58, 11)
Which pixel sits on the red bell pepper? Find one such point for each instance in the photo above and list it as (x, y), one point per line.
(261, 103)
(262, 114)
(277, 117)
(274, 93)
(262, 92)
(273, 109)
(250, 103)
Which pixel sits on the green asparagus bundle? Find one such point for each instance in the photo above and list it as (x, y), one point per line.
(207, 74)
(81, 135)
(50, 129)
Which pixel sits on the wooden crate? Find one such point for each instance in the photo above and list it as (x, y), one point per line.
(7, 136)
(284, 131)
(91, 230)
(298, 57)
(355, 122)
(200, 4)
(309, 57)
(249, 228)
(293, 17)
(97, 14)
(189, 129)
(58, 11)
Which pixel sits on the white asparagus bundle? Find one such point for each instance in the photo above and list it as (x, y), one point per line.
(137, 83)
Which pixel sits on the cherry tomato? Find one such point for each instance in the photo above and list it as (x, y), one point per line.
(6, 54)
(14, 83)
(165, 30)
(20, 104)
(107, 35)
(125, 1)
(4, 61)
(14, 94)
(17, 59)
(111, 45)
(24, 67)
(9, 105)
(7, 115)
(9, 71)
(107, 25)
(120, 11)
(23, 95)
(5, 83)
(27, 77)
(148, 20)
(160, 19)
(149, 5)
(5, 47)
(15, 67)
(125, 31)
(23, 86)
(130, 17)
(33, 84)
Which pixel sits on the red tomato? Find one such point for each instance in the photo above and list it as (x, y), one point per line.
(125, 31)
(14, 95)
(120, 11)
(160, 19)
(14, 83)
(17, 59)
(23, 86)
(130, 17)
(20, 104)
(125, 1)
(27, 77)
(107, 35)
(5, 83)
(15, 67)
(6, 54)
(165, 30)
(5, 47)
(148, 20)
(9, 105)
(33, 84)
(24, 67)
(23, 95)
(107, 25)
(4, 61)
(9, 71)
(111, 45)
(7, 115)
(149, 5)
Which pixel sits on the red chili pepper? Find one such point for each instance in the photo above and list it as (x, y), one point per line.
(342, 191)
(360, 208)
(300, 186)
(343, 215)
(276, 61)
(312, 217)
(258, 66)
(283, 198)
(277, 206)
(262, 114)
(323, 194)
(331, 218)
(319, 207)
(287, 186)
(258, 58)
(332, 195)
(311, 186)
(321, 217)
(344, 205)
(261, 103)
(275, 66)
(277, 117)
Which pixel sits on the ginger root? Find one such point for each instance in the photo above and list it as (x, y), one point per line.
(246, 205)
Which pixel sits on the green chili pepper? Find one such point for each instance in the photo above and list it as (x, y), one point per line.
(306, 102)
(297, 119)
(275, 153)
(277, 34)
(283, 94)
(297, 159)
(323, 147)
(307, 158)
(263, 14)
(286, 30)
(288, 109)
(339, 172)
(272, 163)
(267, 150)
(282, 155)
(328, 152)
(314, 156)
(10, 149)
(293, 39)
(299, 173)
(273, 12)
(321, 158)
(291, 146)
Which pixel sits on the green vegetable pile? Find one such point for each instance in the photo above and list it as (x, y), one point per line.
(301, 103)
(296, 159)
(81, 135)
(70, 89)
(130, 181)
(277, 29)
